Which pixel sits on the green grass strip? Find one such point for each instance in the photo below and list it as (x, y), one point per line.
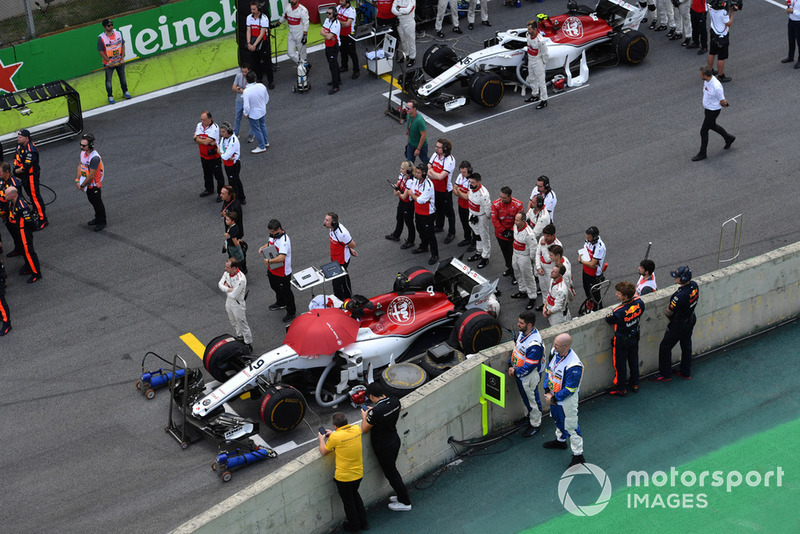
(743, 509)
(145, 76)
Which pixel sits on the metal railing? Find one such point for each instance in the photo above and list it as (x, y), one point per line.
(736, 246)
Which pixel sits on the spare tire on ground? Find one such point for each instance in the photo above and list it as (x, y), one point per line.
(401, 379)
(435, 368)
(224, 357)
(475, 331)
(282, 408)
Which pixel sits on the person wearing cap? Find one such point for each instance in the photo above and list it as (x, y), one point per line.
(7, 179)
(111, 46)
(89, 178)
(682, 319)
(26, 168)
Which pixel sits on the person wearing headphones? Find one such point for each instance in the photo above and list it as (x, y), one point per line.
(550, 200)
(440, 171)
(424, 210)
(405, 207)
(343, 247)
(90, 179)
(330, 31)
(230, 149)
(26, 168)
(543, 263)
(538, 217)
(682, 319)
(593, 257)
(280, 270)
(461, 190)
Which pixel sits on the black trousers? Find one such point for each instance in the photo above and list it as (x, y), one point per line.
(588, 282)
(794, 37)
(353, 505)
(699, 29)
(677, 332)
(261, 60)
(30, 183)
(463, 215)
(710, 123)
(444, 208)
(341, 286)
(14, 231)
(5, 313)
(507, 248)
(283, 292)
(427, 236)
(212, 170)
(405, 215)
(96, 200)
(332, 53)
(28, 252)
(625, 353)
(232, 173)
(349, 52)
(387, 457)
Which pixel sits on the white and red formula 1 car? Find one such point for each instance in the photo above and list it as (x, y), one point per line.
(607, 33)
(338, 349)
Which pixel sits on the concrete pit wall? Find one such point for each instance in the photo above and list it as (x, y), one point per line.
(301, 497)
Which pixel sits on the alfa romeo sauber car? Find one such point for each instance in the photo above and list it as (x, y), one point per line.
(339, 349)
(608, 33)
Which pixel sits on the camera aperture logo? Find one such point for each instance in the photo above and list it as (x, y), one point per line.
(582, 470)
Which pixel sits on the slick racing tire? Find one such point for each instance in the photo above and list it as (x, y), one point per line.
(282, 407)
(631, 46)
(402, 378)
(438, 59)
(434, 369)
(475, 331)
(224, 357)
(486, 89)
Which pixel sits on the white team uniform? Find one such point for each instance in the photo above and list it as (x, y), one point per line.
(407, 26)
(480, 205)
(538, 222)
(537, 59)
(543, 262)
(557, 302)
(235, 288)
(297, 18)
(524, 253)
(440, 12)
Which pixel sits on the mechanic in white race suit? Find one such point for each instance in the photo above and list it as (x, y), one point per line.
(524, 253)
(407, 28)
(538, 216)
(556, 304)
(537, 59)
(234, 284)
(296, 15)
(480, 218)
(526, 365)
(561, 389)
(440, 12)
(683, 21)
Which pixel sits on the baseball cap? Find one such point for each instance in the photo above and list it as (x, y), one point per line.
(25, 133)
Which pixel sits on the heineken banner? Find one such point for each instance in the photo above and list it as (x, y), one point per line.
(73, 53)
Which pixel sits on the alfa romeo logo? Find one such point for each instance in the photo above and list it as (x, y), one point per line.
(401, 311)
(572, 27)
(579, 470)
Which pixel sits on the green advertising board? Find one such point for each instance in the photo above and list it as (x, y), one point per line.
(73, 53)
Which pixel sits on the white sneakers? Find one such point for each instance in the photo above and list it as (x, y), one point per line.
(397, 506)
(258, 150)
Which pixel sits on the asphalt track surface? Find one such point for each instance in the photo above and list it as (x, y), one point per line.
(84, 451)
